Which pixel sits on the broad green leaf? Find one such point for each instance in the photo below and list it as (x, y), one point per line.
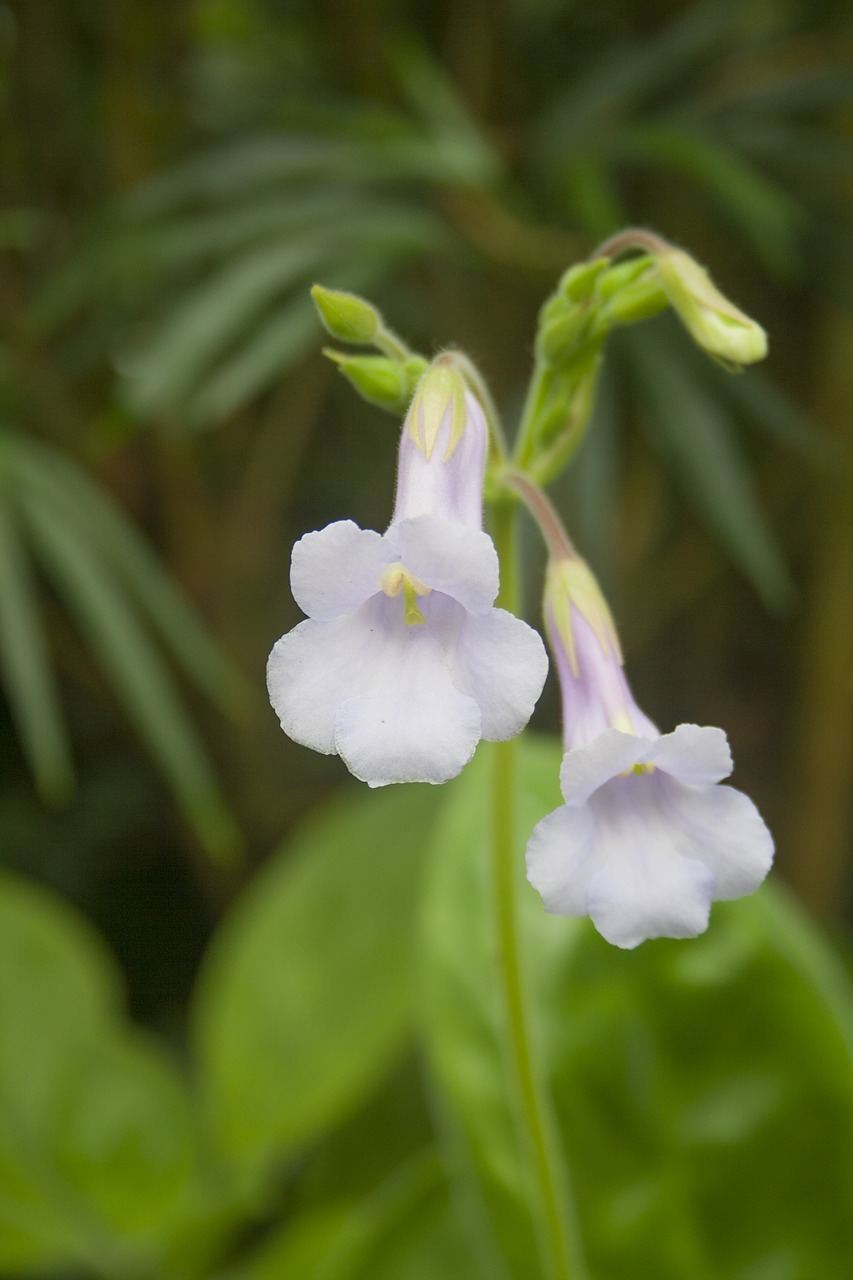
(95, 1132)
(304, 1001)
(703, 1090)
(24, 661)
(695, 436)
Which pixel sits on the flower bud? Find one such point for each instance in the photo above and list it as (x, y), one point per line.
(558, 339)
(639, 300)
(347, 317)
(716, 324)
(578, 282)
(377, 379)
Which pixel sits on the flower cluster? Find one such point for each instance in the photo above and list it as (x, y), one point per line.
(403, 663)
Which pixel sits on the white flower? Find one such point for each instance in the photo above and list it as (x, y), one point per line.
(647, 838)
(403, 664)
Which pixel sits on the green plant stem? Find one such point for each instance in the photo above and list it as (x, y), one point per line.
(559, 1246)
(538, 392)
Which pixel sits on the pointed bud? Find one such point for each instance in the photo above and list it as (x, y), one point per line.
(716, 324)
(441, 391)
(579, 281)
(559, 337)
(346, 316)
(639, 300)
(380, 381)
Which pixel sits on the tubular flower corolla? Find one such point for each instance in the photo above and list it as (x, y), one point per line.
(403, 664)
(647, 837)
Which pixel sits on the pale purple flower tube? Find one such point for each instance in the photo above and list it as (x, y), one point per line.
(647, 837)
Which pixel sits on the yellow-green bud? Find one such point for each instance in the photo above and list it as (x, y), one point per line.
(623, 274)
(557, 340)
(716, 324)
(377, 379)
(640, 300)
(346, 316)
(578, 282)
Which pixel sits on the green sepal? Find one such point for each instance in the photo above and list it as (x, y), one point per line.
(641, 299)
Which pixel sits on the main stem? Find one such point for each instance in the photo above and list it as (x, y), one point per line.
(560, 1250)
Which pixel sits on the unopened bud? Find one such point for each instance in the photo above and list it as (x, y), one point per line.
(346, 316)
(578, 282)
(377, 379)
(639, 300)
(557, 340)
(716, 324)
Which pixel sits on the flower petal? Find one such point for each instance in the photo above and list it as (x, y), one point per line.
(412, 725)
(452, 558)
(696, 755)
(562, 855)
(587, 768)
(335, 570)
(724, 829)
(646, 890)
(316, 667)
(501, 662)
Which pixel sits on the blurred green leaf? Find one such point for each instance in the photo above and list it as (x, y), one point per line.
(404, 1230)
(763, 209)
(695, 436)
(24, 664)
(703, 1089)
(96, 1147)
(67, 487)
(83, 577)
(304, 1001)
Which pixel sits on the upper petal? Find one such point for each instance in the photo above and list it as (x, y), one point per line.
(452, 558)
(315, 668)
(723, 828)
(501, 662)
(699, 756)
(334, 570)
(562, 855)
(411, 725)
(585, 769)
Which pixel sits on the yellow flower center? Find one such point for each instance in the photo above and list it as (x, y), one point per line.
(395, 579)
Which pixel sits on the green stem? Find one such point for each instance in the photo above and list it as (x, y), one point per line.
(538, 392)
(558, 1237)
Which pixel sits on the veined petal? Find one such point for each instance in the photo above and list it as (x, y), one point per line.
(562, 855)
(501, 662)
(722, 827)
(693, 754)
(411, 725)
(314, 668)
(335, 570)
(452, 558)
(587, 768)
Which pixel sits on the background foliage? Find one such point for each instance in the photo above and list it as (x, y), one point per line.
(174, 176)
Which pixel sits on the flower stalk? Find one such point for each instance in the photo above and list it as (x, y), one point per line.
(556, 1220)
